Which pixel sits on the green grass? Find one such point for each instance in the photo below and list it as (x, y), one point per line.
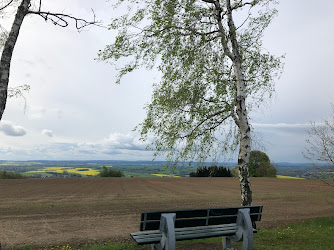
(313, 234)
(109, 246)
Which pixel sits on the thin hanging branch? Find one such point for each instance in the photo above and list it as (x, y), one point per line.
(1, 8)
(59, 19)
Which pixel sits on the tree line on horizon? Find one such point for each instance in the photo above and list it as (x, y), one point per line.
(259, 166)
(211, 171)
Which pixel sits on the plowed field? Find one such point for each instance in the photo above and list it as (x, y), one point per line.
(51, 212)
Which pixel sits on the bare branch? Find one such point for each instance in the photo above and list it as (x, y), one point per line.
(249, 14)
(1, 8)
(321, 146)
(18, 92)
(59, 19)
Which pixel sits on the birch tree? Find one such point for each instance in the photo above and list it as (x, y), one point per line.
(8, 39)
(214, 71)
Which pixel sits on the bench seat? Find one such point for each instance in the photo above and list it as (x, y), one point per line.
(153, 237)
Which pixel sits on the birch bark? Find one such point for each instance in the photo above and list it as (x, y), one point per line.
(241, 110)
(8, 52)
(241, 120)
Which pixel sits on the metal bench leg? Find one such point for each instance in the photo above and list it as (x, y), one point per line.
(227, 243)
(154, 247)
(245, 231)
(167, 229)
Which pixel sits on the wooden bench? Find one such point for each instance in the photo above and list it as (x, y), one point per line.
(163, 228)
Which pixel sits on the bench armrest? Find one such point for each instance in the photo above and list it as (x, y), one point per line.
(167, 229)
(245, 229)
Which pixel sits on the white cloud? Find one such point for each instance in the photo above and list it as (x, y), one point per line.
(281, 125)
(129, 141)
(8, 128)
(115, 146)
(47, 132)
(39, 112)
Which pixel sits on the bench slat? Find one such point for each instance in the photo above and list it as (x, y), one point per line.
(193, 222)
(155, 215)
(213, 228)
(149, 240)
(198, 217)
(203, 234)
(199, 223)
(149, 237)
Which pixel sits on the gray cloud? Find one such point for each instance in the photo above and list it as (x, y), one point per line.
(283, 141)
(116, 144)
(47, 132)
(282, 128)
(8, 128)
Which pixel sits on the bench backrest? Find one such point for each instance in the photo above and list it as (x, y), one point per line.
(198, 217)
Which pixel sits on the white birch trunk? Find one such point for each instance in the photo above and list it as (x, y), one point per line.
(244, 152)
(8, 52)
(243, 124)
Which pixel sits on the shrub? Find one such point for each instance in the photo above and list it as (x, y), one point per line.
(259, 165)
(265, 170)
(11, 175)
(235, 171)
(105, 172)
(192, 174)
(212, 171)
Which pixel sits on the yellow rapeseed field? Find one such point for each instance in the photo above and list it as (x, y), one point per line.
(83, 171)
(165, 175)
(289, 177)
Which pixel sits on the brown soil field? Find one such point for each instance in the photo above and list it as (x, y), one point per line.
(51, 212)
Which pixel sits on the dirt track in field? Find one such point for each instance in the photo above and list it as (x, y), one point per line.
(51, 212)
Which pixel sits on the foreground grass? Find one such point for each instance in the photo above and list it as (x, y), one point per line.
(314, 234)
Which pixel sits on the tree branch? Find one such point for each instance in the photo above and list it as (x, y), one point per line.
(222, 30)
(249, 14)
(194, 31)
(6, 5)
(206, 119)
(59, 19)
(240, 4)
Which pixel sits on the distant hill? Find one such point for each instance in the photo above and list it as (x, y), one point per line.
(143, 168)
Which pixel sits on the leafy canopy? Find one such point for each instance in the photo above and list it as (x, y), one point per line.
(259, 165)
(192, 112)
(106, 172)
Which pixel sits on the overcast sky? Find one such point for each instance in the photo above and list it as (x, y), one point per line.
(75, 111)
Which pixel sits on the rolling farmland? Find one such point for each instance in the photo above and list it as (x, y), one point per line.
(50, 212)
